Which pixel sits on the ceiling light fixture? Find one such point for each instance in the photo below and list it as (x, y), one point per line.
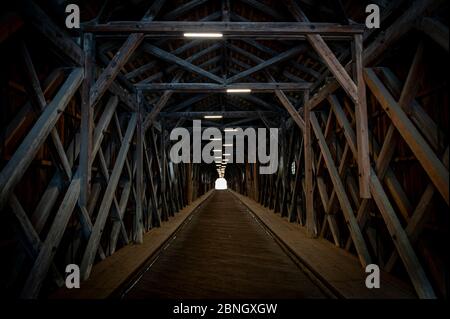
(203, 35)
(238, 90)
(213, 116)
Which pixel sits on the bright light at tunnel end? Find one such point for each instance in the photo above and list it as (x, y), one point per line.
(221, 184)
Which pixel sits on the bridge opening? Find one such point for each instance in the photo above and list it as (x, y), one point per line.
(221, 184)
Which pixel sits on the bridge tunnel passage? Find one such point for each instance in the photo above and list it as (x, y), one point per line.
(359, 115)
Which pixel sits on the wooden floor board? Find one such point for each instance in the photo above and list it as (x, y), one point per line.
(337, 267)
(224, 253)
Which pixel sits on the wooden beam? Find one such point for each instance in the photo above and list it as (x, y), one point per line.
(416, 272)
(87, 114)
(228, 29)
(291, 109)
(150, 119)
(42, 263)
(16, 167)
(51, 32)
(381, 43)
(152, 185)
(32, 238)
(277, 59)
(347, 209)
(330, 218)
(115, 211)
(311, 224)
(183, 48)
(42, 103)
(226, 114)
(54, 236)
(113, 68)
(97, 230)
(213, 87)
(138, 218)
(399, 237)
(190, 59)
(400, 27)
(161, 103)
(419, 116)
(254, 58)
(362, 126)
(418, 217)
(169, 57)
(121, 57)
(48, 199)
(426, 156)
(326, 54)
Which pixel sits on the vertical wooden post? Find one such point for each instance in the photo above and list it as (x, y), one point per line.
(311, 226)
(362, 134)
(189, 183)
(138, 224)
(255, 182)
(86, 120)
(248, 188)
(164, 182)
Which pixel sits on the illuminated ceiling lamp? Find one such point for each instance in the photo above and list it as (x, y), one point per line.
(238, 90)
(203, 35)
(212, 117)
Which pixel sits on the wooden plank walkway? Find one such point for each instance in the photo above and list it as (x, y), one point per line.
(223, 252)
(111, 273)
(340, 269)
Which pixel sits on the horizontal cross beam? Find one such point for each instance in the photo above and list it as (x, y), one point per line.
(228, 29)
(214, 87)
(226, 114)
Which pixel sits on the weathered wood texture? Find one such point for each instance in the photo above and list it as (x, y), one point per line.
(363, 160)
(216, 264)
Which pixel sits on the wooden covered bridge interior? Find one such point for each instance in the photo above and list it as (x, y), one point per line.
(87, 178)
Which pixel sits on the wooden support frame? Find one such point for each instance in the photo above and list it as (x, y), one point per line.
(431, 163)
(235, 29)
(311, 225)
(40, 99)
(138, 218)
(212, 87)
(151, 190)
(354, 229)
(43, 260)
(121, 57)
(50, 31)
(87, 114)
(362, 128)
(14, 170)
(411, 262)
(89, 254)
